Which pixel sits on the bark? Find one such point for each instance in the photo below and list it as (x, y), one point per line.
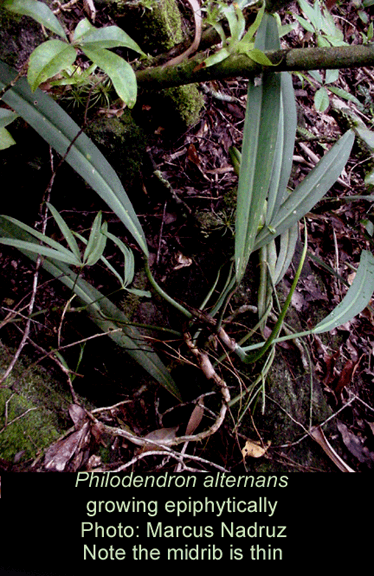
(299, 59)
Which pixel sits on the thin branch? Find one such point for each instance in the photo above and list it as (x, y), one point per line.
(291, 60)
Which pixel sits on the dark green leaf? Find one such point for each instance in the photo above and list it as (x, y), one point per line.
(119, 71)
(37, 10)
(63, 134)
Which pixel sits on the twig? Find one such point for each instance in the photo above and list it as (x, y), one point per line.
(30, 307)
(170, 453)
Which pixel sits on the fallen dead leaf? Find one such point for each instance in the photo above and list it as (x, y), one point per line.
(318, 435)
(354, 444)
(255, 449)
(182, 261)
(195, 418)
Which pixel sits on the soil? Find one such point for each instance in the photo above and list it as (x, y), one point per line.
(189, 224)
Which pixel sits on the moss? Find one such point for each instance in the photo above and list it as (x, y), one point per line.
(123, 143)
(155, 24)
(34, 430)
(33, 411)
(187, 103)
(157, 27)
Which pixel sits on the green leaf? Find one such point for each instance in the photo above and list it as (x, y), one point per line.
(119, 71)
(259, 57)
(47, 60)
(331, 76)
(74, 75)
(259, 140)
(6, 139)
(217, 57)
(96, 242)
(102, 312)
(129, 262)
(329, 27)
(311, 12)
(6, 117)
(38, 11)
(321, 99)
(284, 148)
(248, 37)
(67, 233)
(99, 38)
(310, 190)
(344, 94)
(286, 252)
(232, 19)
(63, 134)
(357, 298)
(82, 28)
(305, 24)
(39, 249)
(42, 238)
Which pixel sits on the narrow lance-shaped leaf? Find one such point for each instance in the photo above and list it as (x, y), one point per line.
(43, 238)
(284, 148)
(63, 134)
(101, 311)
(355, 301)
(357, 298)
(41, 250)
(286, 252)
(39, 11)
(259, 139)
(67, 233)
(129, 263)
(96, 242)
(310, 190)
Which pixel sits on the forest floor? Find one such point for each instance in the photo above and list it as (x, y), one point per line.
(190, 229)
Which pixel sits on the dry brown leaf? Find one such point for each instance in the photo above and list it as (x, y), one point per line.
(182, 261)
(68, 450)
(345, 377)
(255, 449)
(355, 444)
(318, 435)
(195, 418)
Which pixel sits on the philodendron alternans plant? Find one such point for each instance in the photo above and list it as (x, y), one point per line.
(267, 216)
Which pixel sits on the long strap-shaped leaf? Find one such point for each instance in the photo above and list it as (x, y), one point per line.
(354, 302)
(259, 140)
(284, 148)
(60, 131)
(310, 190)
(102, 311)
(356, 299)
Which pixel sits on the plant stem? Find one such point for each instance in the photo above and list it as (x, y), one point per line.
(249, 358)
(162, 293)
